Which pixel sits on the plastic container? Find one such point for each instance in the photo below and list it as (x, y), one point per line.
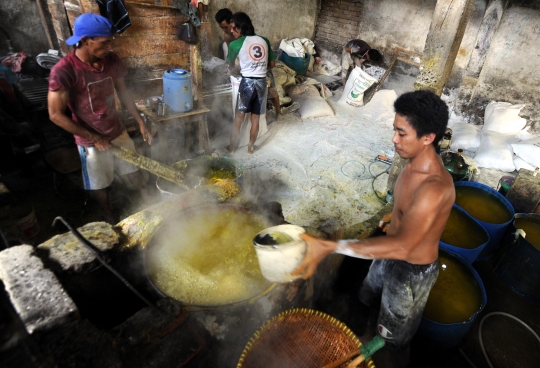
(26, 221)
(277, 261)
(448, 335)
(177, 90)
(298, 64)
(469, 255)
(495, 231)
(519, 265)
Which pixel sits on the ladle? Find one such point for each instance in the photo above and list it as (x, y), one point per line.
(157, 168)
(96, 252)
(227, 187)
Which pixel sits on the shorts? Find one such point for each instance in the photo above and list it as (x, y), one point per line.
(98, 167)
(402, 289)
(252, 95)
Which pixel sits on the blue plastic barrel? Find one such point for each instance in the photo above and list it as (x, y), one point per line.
(448, 335)
(298, 64)
(469, 254)
(495, 231)
(519, 264)
(177, 90)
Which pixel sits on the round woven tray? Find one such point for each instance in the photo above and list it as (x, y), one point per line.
(300, 338)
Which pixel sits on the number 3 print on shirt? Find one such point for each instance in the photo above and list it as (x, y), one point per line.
(257, 52)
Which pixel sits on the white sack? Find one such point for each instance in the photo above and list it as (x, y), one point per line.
(312, 105)
(495, 152)
(465, 136)
(326, 67)
(530, 153)
(309, 46)
(243, 137)
(353, 93)
(292, 47)
(503, 117)
(520, 164)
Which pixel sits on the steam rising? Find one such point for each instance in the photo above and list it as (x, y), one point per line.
(205, 256)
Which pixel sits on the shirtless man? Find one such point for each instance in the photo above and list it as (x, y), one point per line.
(223, 19)
(405, 265)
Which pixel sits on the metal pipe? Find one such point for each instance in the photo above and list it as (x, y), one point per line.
(96, 251)
(8, 40)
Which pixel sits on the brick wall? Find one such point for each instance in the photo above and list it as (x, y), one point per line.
(338, 22)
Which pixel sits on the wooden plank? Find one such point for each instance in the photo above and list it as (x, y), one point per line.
(151, 10)
(154, 25)
(89, 6)
(145, 45)
(157, 63)
(60, 23)
(46, 25)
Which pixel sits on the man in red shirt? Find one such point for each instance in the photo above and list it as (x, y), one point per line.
(85, 81)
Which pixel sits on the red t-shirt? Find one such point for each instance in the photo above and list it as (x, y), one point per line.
(91, 94)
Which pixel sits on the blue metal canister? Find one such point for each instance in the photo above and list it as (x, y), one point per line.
(177, 90)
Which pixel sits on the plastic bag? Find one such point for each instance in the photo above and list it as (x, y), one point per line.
(495, 152)
(530, 153)
(465, 136)
(353, 93)
(503, 117)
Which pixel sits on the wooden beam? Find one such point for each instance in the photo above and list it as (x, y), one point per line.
(45, 24)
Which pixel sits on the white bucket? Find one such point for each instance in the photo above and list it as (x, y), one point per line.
(278, 261)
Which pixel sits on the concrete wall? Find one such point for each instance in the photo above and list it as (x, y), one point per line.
(467, 43)
(22, 21)
(396, 24)
(274, 20)
(511, 68)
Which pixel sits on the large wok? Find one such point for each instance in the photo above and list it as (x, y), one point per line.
(209, 255)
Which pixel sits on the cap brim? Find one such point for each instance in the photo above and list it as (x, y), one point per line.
(73, 40)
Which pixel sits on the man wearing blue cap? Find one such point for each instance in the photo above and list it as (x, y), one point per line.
(85, 81)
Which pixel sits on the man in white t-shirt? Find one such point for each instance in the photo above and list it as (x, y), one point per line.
(256, 57)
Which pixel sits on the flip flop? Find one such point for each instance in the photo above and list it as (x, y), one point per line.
(292, 108)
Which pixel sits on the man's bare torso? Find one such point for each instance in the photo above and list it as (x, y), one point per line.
(410, 188)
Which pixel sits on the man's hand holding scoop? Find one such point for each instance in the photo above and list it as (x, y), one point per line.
(316, 250)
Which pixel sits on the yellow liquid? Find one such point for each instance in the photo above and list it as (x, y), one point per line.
(531, 226)
(461, 231)
(207, 257)
(482, 205)
(456, 295)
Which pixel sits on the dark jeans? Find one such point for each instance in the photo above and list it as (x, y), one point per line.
(402, 290)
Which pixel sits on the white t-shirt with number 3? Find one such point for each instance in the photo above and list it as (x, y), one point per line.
(254, 53)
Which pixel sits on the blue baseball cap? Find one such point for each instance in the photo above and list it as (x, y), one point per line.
(90, 25)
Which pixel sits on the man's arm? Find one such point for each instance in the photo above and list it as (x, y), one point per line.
(414, 229)
(271, 65)
(125, 96)
(57, 104)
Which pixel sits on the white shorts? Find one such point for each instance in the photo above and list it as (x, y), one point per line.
(98, 167)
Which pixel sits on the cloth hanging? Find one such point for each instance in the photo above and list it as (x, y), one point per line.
(115, 11)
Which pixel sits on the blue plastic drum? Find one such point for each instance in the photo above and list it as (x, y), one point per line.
(475, 231)
(177, 90)
(496, 230)
(298, 64)
(448, 335)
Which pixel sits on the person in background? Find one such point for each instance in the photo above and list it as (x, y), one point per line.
(85, 81)
(256, 58)
(223, 19)
(405, 261)
(354, 54)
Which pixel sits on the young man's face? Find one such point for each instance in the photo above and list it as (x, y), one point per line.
(98, 46)
(235, 30)
(226, 27)
(406, 143)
